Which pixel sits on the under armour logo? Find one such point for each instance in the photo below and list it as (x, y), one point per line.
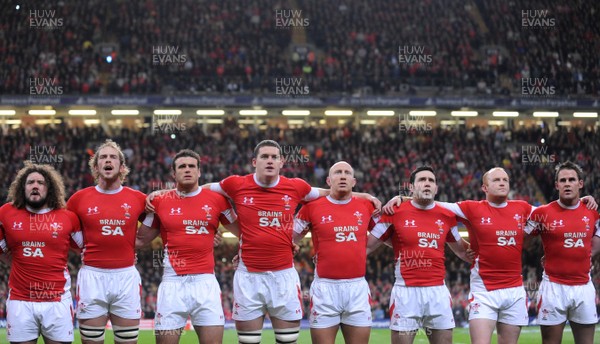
(175, 211)
(92, 211)
(248, 200)
(486, 220)
(326, 219)
(409, 223)
(17, 225)
(558, 223)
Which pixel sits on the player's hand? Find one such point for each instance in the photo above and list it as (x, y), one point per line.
(218, 239)
(388, 208)
(149, 206)
(377, 204)
(295, 249)
(590, 202)
(235, 261)
(471, 254)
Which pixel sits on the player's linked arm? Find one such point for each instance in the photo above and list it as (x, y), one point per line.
(595, 245)
(145, 235)
(460, 250)
(233, 228)
(373, 243)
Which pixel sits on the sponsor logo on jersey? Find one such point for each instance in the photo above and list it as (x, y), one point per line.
(175, 211)
(440, 225)
(486, 221)
(248, 200)
(286, 202)
(207, 210)
(327, 219)
(93, 211)
(586, 220)
(17, 226)
(358, 215)
(126, 207)
(409, 223)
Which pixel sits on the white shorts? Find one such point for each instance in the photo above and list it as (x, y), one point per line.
(412, 308)
(508, 306)
(277, 293)
(196, 296)
(343, 301)
(25, 319)
(103, 291)
(558, 303)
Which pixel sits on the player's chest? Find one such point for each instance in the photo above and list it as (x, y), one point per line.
(330, 225)
(188, 218)
(109, 212)
(571, 229)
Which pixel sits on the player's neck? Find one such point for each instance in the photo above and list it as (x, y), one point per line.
(496, 200)
(340, 195)
(266, 180)
(184, 189)
(422, 203)
(569, 202)
(109, 185)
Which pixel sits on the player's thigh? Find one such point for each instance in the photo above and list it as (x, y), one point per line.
(356, 334)
(584, 297)
(552, 334)
(209, 334)
(439, 336)
(405, 311)
(324, 335)
(403, 337)
(552, 304)
(507, 333)
(514, 306)
(325, 305)
(481, 330)
(583, 333)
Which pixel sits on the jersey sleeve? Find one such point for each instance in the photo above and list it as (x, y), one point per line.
(534, 221)
(3, 247)
(384, 228)
(453, 235)
(304, 190)
(597, 231)
(226, 215)
(456, 208)
(302, 220)
(152, 220)
(228, 186)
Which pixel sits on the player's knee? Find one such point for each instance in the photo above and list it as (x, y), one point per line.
(92, 333)
(287, 335)
(249, 337)
(126, 333)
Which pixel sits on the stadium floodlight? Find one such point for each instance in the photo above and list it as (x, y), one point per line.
(545, 114)
(91, 121)
(7, 112)
(295, 121)
(451, 122)
(210, 112)
(464, 113)
(380, 113)
(368, 122)
(167, 112)
(585, 114)
(295, 112)
(564, 123)
(505, 114)
(125, 112)
(253, 112)
(498, 123)
(210, 121)
(47, 121)
(11, 121)
(82, 112)
(422, 113)
(338, 112)
(250, 121)
(42, 113)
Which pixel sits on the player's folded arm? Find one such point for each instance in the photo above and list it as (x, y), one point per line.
(146, 233)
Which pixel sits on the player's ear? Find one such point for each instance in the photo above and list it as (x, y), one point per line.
(253, 162)
(328, 182)
(353, 181)
(484, 188)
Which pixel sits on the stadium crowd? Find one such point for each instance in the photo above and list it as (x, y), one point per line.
(349, 47)
(383, 158)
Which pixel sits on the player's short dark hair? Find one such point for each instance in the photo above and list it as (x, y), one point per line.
(55, 197)
(568, 165)
(183, 154)
(420, 169)
(266, 143)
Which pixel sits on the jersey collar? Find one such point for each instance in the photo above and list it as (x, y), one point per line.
(418, 206)
(108, 192)
(562, 205)
(191, 194)
(338, 201)
(38, 211)
(274, 184)
(498, 205)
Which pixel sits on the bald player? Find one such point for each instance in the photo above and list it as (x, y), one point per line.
(339, 294)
